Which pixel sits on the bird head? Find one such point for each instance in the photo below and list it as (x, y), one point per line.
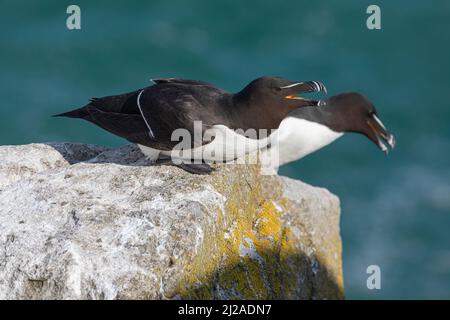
(281, 93)
(361, 117)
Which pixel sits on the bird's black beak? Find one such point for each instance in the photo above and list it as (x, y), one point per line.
(293, 90)
(379, 134)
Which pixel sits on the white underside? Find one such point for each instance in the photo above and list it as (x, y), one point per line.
(226, 146)
(296, 138)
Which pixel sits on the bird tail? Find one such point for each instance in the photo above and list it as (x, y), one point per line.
(81, 113)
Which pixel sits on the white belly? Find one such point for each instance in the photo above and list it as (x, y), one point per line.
(150, 153)
(226, 146)
(297, 138)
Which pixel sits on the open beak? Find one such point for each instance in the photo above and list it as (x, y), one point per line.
(293, 90)
(380, 135)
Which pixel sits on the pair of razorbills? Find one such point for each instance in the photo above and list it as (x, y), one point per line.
(191, 123)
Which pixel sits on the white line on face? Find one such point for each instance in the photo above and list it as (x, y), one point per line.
(291, 85)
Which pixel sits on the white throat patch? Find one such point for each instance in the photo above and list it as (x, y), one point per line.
(298, 137)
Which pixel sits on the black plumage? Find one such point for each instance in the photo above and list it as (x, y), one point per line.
(148, 116)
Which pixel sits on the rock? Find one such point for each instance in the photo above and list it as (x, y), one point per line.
(84, 222)
(20, 162)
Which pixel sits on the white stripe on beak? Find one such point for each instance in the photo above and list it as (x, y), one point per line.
(379, 122)
(320, 87)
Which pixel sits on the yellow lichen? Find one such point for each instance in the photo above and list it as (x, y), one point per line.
(254, 256)
(269, 222)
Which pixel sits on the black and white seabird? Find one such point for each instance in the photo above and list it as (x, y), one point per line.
(309, 129)
(150, 116)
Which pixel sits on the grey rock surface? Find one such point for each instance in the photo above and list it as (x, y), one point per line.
(84, 222)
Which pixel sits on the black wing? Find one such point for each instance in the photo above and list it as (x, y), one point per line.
(168, 108)
(181, 81)
(149, 116)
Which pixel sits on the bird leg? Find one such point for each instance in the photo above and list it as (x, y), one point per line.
(194, 168)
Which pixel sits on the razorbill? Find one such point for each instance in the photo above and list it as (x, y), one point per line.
(157, 117)
(308, 129)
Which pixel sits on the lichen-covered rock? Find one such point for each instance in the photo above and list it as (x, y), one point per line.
(84, 222)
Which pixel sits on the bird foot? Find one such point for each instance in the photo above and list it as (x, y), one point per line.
(194, 168)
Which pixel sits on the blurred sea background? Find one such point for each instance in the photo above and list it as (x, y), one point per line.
(395, 209)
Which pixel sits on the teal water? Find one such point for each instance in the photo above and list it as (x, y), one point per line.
(395, 209)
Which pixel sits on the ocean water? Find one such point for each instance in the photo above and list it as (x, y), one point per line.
(395, 209)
